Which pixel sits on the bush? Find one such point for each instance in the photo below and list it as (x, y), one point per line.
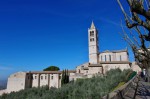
(88, 88)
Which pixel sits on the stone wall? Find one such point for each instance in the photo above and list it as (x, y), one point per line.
(107, 67)
(3, 91)
(16, 82)
(35, 80)
(95, 70)
(22, 80)
(52, 80)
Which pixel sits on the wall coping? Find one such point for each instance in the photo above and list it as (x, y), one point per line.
(118, 93)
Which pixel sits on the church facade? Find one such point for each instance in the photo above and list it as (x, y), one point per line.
(99, 63)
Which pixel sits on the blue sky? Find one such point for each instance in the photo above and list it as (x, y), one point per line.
(35, 34)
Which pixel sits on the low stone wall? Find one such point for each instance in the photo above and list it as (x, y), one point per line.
(120, 92)
(3, 91)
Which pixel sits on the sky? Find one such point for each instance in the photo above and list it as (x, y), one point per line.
(35, 34)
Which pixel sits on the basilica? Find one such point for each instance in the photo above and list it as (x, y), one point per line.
(99, 63)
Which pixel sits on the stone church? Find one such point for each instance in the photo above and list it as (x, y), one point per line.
(99, 63)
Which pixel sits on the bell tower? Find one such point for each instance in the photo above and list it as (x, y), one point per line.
(93, 44)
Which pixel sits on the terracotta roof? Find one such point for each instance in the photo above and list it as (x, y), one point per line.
(49, 72)
(95, 65)
(115, 62)
(114, 51)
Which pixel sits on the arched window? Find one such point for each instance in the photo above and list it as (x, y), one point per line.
(91, 33)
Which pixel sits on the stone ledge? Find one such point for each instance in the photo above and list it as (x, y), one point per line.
(121, 91)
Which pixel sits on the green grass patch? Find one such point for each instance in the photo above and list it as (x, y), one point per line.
(119, 85)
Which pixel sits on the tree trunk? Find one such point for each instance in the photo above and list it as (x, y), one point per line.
(147, 76)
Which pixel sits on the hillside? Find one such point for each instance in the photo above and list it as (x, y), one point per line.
(2, 87)
(3, 84)
(89, 88)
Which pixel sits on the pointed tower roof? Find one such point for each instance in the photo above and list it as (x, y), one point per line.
(92, 25)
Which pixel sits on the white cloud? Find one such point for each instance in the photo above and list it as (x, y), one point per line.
(5, 68)
(107, 20)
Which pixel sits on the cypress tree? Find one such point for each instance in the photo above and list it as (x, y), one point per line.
(63, 78)
(67, 77)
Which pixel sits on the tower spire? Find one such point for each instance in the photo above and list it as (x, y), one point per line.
(93, 44)
(92, 25)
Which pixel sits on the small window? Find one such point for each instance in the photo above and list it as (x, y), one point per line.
(120, 58)
(105, 57)
(86, 71)
(28, 77)
(59, 77)
(41, 77)
(101, 58)
(92, 39)
(51, 77)
(110, 58)
(35, 77)
(45, 77)
(82, 67)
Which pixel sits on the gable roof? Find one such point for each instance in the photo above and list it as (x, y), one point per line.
(115, 51)
(50, 72)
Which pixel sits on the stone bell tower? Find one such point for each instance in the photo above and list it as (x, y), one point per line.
(93, 44)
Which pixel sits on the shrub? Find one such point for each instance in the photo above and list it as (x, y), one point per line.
(89, 88)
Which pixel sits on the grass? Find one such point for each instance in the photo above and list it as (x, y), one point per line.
(118, 86)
